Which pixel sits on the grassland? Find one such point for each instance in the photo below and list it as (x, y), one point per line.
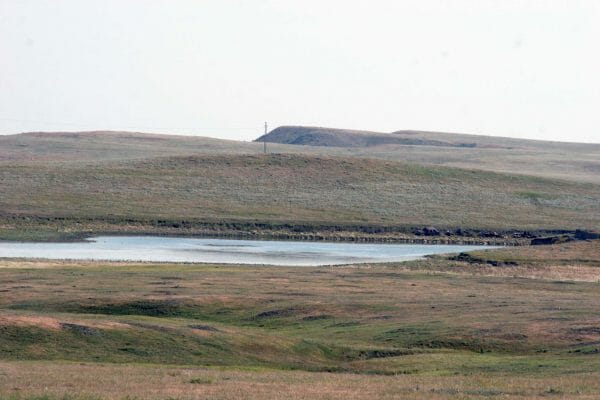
(433, 329)
(65, 185)
(181, 192)
(518, 322)
(52, 380)
(570, 161)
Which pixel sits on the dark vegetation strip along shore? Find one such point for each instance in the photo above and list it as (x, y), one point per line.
(38, 228)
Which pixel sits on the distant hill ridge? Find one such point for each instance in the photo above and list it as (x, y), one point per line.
(330, 137)
(569, 161)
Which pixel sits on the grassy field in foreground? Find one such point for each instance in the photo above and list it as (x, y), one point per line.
(440, 328)
(286, 189)
(49, 381)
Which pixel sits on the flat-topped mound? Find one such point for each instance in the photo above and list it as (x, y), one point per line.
(331, 137)
(570, 161)
(317, 136)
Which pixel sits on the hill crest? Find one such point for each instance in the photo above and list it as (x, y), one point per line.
(331, 137)
(335, 137)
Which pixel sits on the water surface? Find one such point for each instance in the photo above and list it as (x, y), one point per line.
(170, 249)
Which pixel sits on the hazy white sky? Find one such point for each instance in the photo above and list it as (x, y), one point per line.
(221, 68)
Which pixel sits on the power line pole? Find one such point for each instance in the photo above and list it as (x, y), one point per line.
(265, 139)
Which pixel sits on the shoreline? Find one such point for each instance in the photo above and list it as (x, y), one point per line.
(161, 249)
(24, 228)
(344, 237)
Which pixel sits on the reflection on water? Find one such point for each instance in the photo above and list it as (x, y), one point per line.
(168, 249)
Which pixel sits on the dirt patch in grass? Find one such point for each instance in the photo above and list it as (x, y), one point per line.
(56, 324)
(22, 320)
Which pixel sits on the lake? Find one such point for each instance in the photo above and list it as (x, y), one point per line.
(173, 249)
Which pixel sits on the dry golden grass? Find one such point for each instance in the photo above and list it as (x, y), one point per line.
(405, 331)
(108, 381)
(570, 161)
(285, 189)
(519, 323)
(549, 272)
(571, 261)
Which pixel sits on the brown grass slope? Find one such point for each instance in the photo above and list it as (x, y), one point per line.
(573, 161)
(58, 381)
(108, 145)
(296, 189)
(570, 161)
(321, 136)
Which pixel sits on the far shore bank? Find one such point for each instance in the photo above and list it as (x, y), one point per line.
(66, 229)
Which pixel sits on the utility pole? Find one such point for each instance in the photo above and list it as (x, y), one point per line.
(265, 139)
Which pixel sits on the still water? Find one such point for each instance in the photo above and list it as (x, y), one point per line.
(170, 249)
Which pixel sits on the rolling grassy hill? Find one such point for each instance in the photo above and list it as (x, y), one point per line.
(107, 145)
(294, 189)
(511, 322)
(332, 137)
(92, 180)
(571, 161)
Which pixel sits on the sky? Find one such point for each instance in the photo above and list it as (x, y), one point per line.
(222, 68)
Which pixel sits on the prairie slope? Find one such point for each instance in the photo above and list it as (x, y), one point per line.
(569, 161)
(332, 137)
(107, 145)
(572, 161)
(297, 189)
